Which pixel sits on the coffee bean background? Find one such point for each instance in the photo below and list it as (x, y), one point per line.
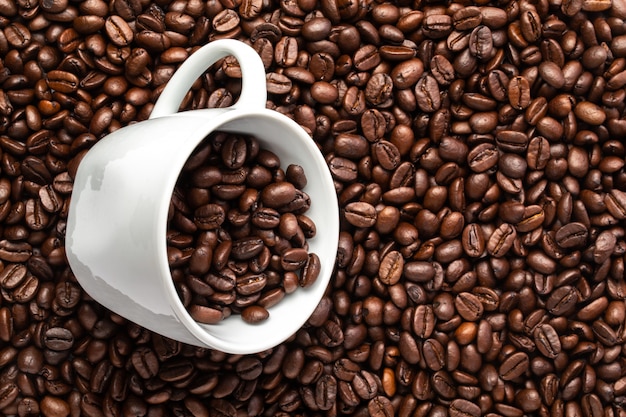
(478, 156)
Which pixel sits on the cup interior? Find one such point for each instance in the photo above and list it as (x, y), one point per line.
(292, 145)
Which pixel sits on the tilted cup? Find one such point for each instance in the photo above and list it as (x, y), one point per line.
(116, 228)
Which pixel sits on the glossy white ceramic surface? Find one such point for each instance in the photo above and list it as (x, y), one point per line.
(115, 237)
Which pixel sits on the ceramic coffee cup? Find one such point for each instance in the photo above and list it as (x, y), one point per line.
(116, 229)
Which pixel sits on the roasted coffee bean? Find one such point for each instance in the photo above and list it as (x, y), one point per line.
(118, 30)
(562, 300)
(310, 270)
(427, 94)
(501, 240)
(360, 214)
(514, 366)
(547, 340)
(482, 157)
(519, 92)
(391, 267)
(206, 315)
(380, 406)
(467, 18)
(460, 407)
(468, 306)
(58, 339)
(571, 235)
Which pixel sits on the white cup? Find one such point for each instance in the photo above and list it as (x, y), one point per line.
(115, 238)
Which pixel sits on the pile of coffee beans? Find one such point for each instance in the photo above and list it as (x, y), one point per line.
(478, 157)
(237, 230)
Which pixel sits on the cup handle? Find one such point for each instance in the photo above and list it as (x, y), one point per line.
(253, 91)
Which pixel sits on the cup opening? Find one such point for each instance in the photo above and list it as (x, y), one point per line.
(291, 144)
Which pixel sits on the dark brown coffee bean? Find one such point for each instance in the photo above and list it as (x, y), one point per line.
(294, 258)
(58, 339)
(468, 306)
(278, 194)
(514, 366)
(427, 94)
(209, 216)
(391, 267)
(605, 334)
(407, 73)
(17, 35)
(473, 240)
(249, 284)
(380, 406)
(481, 42)
(206, 315)
(360, 214)
(12, 276)
(547, 340)
(118, 30)
(423, 323)
(15, 251)
(246, 248)
(366, 58)
(442, 70)
(501, 240)
(519, 92)
(460, 407)
(310, 270)
(482, 157)
(589, 113)
(387, 154)
(54, 406)
(365, 385)
(571, 235)
(62, 81)
(437, 26)
(562, 300)
(467, 18)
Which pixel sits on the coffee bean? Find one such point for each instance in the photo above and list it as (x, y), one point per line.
(387, 154)
(562, 300)
(519, 92)
(360, 214)
(467, 18)
(482, 157)
(501, 240)
(427, 94)
(468, 306)
(380, 406)
(407, 73)
(118, 31)
(325, 392)
(460, 407)
(514, 366)
(605, 334)
(310, 270)
(365, 385)
(589, 113)
(571, 235)
(481, 42)
(547, 340)
(62, 81)
(58, 339)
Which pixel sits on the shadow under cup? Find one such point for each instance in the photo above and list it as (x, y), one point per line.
(117, 222)
(288, 315)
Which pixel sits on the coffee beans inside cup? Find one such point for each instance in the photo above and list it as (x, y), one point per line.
(237, 230)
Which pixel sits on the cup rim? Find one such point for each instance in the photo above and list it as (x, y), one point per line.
(332, 224)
